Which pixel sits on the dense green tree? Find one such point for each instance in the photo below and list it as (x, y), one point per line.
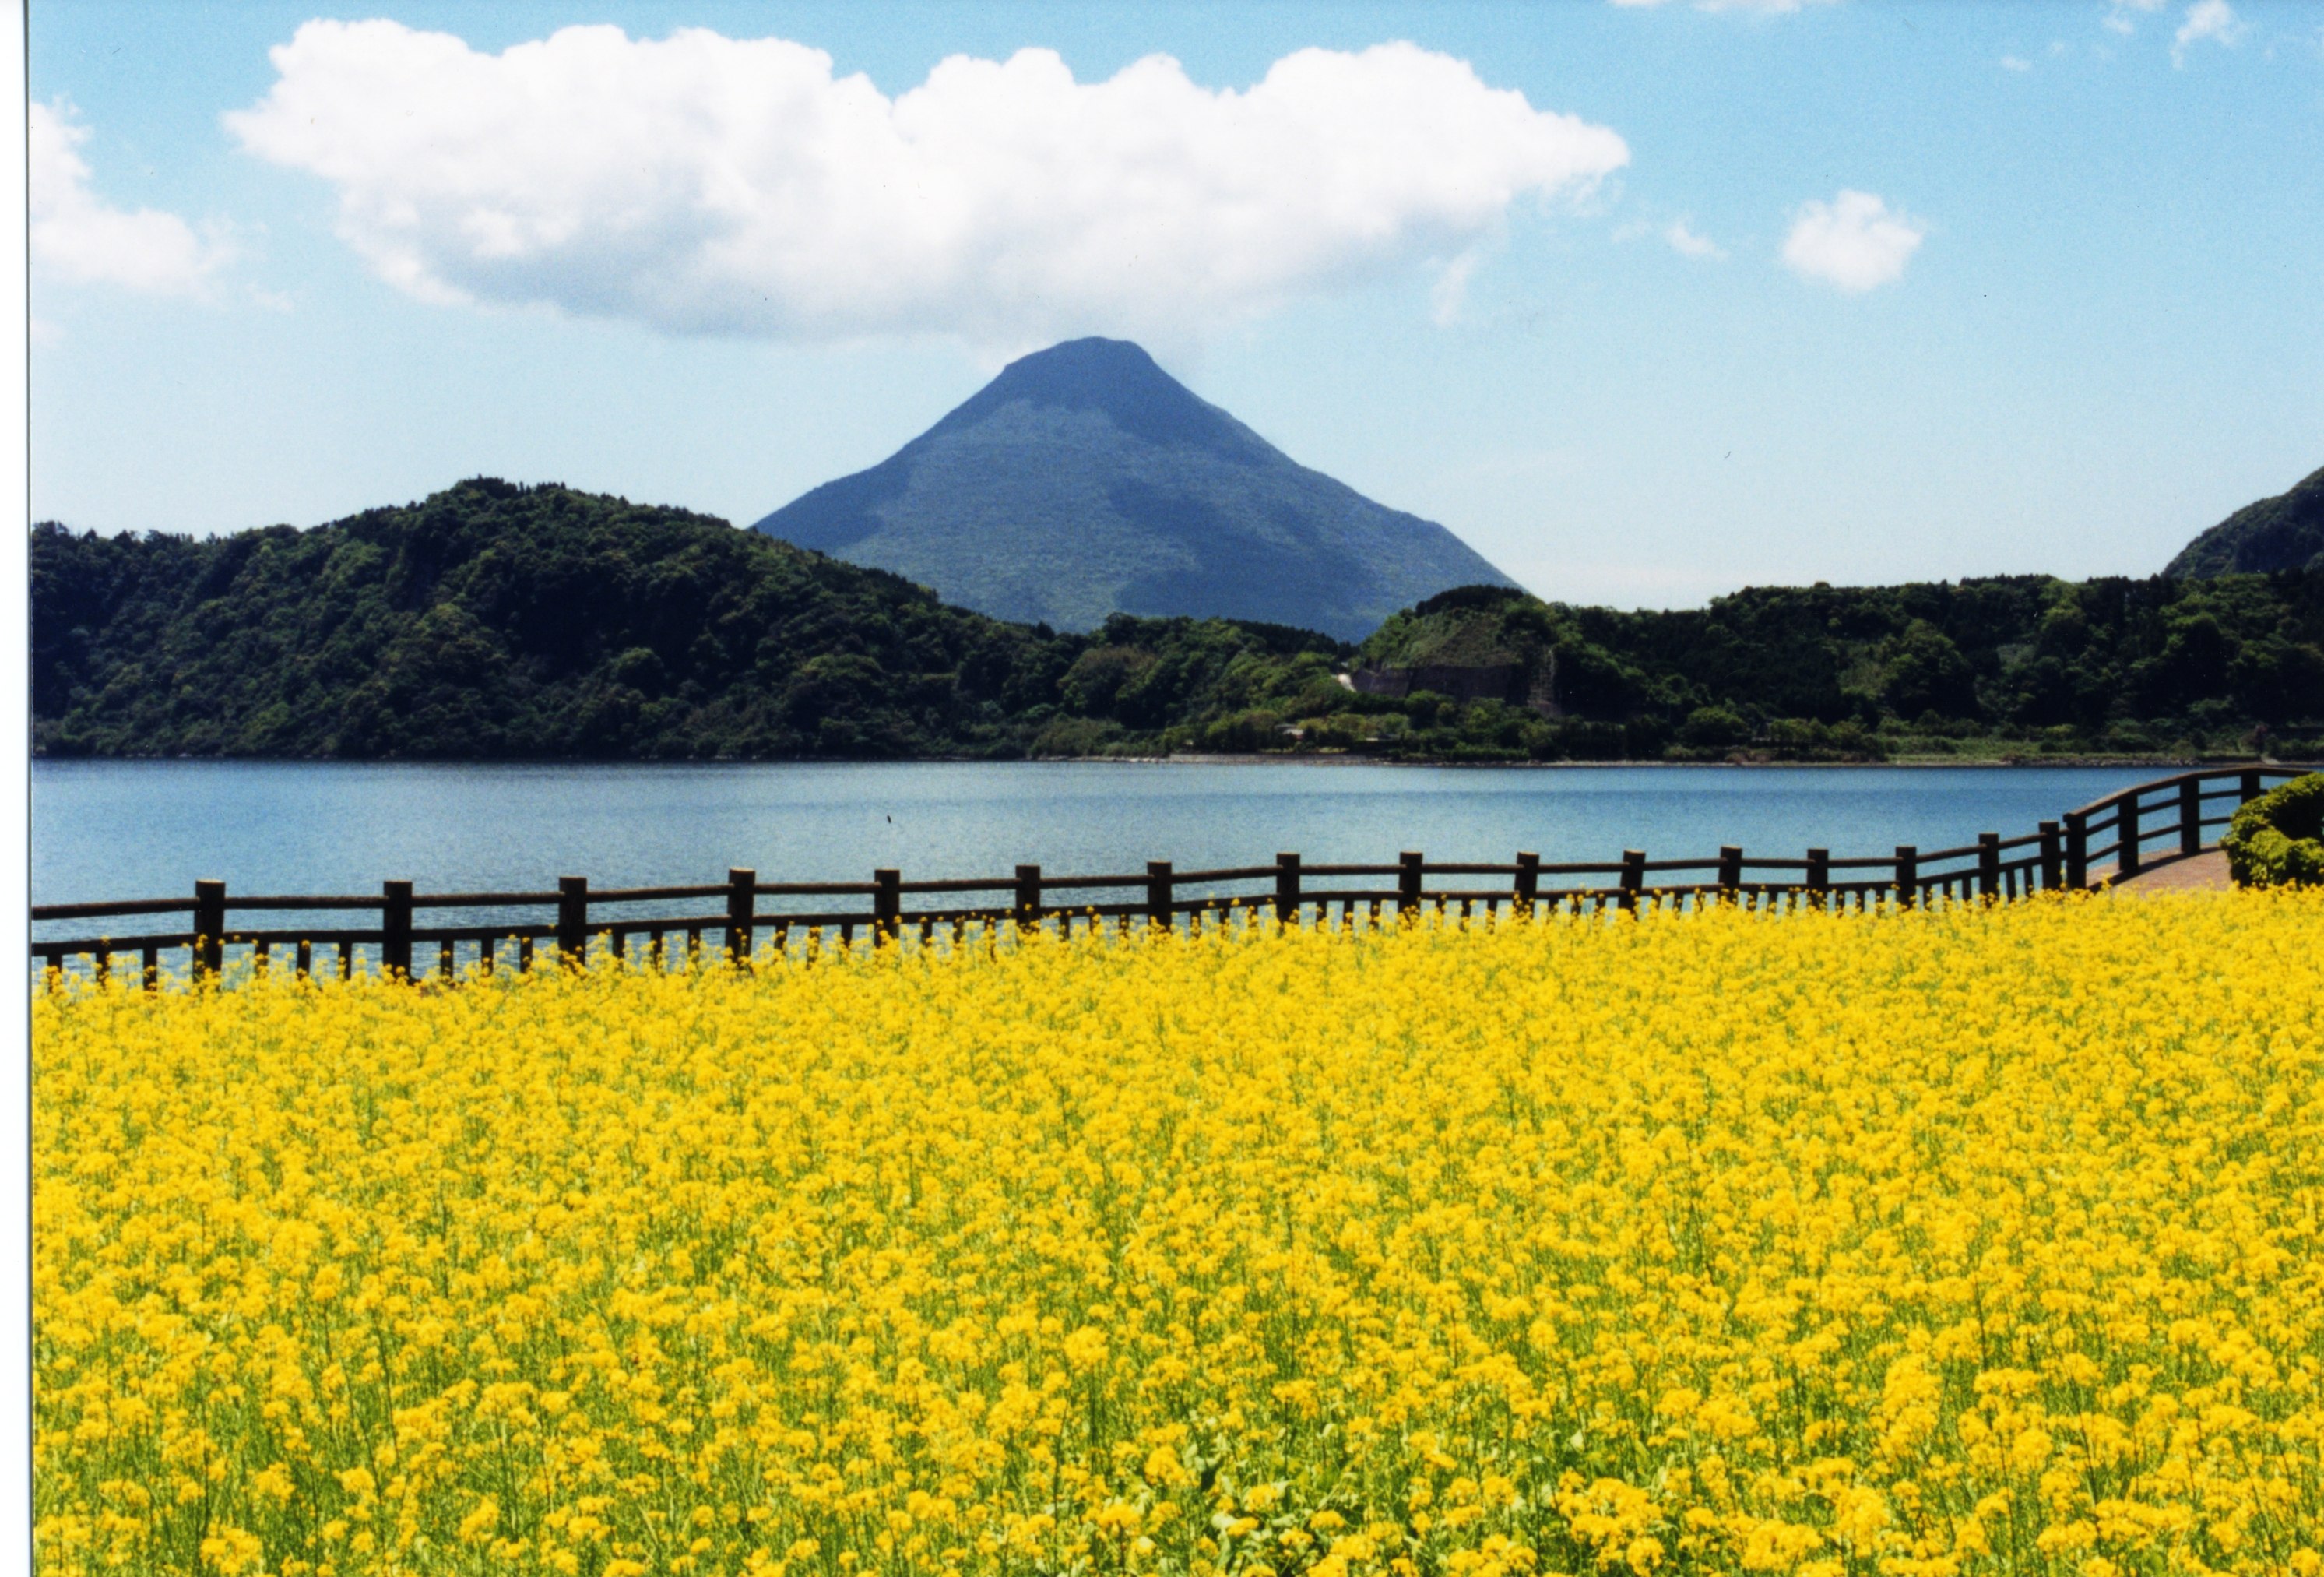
(493, 621)
(498, 621)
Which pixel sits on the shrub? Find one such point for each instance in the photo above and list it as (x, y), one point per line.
(2278, 839)
(1714, 726)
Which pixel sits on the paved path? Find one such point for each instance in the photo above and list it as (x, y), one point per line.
(2203, 872)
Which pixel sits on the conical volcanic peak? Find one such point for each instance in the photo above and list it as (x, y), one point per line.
(1085, 481)
(1118, 380)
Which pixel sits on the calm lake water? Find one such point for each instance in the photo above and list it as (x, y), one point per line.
(139, 829)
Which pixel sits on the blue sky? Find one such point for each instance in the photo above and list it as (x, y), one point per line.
(1853, 291)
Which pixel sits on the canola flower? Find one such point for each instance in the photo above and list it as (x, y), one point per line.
(1972, 1239)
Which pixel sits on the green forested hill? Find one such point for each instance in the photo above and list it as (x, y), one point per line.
(496, 620)
(2283, 532)
(2015, 664)
(493, 621)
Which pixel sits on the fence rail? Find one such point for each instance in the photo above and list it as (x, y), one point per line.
(2175, 812)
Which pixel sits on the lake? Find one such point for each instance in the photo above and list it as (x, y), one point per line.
(142, 829)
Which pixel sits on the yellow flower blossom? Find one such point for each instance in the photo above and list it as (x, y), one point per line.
(1929, 1244)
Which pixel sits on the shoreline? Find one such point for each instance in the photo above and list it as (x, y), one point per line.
(1190, 759)
(1913, 763)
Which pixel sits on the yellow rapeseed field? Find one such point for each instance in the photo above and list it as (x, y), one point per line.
(1979, 1239)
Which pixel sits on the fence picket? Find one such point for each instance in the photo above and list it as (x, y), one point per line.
(2060, 854)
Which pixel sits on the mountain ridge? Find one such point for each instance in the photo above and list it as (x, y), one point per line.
(2283, 532)
(499, 622)
(1085, 481)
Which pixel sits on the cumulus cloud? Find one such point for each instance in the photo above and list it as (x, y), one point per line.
(2016, 63)
(1854, 242)
(2207, 18)
(1679, 234)
(701, 184)
(2119, 17)
(1763, 8)
(78, 238)
(1687, 243)
(1450, 293)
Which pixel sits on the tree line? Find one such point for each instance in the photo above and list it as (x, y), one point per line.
(498, 622)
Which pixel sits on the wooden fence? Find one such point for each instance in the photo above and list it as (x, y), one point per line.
(397, 932)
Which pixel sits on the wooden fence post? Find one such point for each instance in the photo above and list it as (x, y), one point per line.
(1634, 877)
(2190, 815)
(1730, 869)
(1408, 884)
(741, 911)
(2247, 789)
(209, 928)
(1819, 877)
(887, 905)
(1988, 864)
(395, 930)
(2126, 861)
(1529, 888)
(1287, 888)
(1028, 897)
(1908, 875)
(1160, 885)
(573, 919)
(2052, 872)
(2078, 851)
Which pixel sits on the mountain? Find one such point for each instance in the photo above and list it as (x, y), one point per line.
(2020, 665)
(1085, 481)
(2283, 532)
(495, 622)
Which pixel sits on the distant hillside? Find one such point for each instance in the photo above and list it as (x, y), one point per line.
(2283, 532)
(1085, 481)
(2020, 664)
(493, 622)
(497, 621)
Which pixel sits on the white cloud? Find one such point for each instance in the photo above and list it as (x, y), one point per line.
(2206, 19)
(1678, 233)
(2016, 63)
(701, 184)
(1854, 242)
(2118, 18)
(1687, 243)
(1762, 7)
(77, 237)
(1450, 293)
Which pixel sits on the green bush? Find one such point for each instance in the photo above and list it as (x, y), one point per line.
(2278, 839)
